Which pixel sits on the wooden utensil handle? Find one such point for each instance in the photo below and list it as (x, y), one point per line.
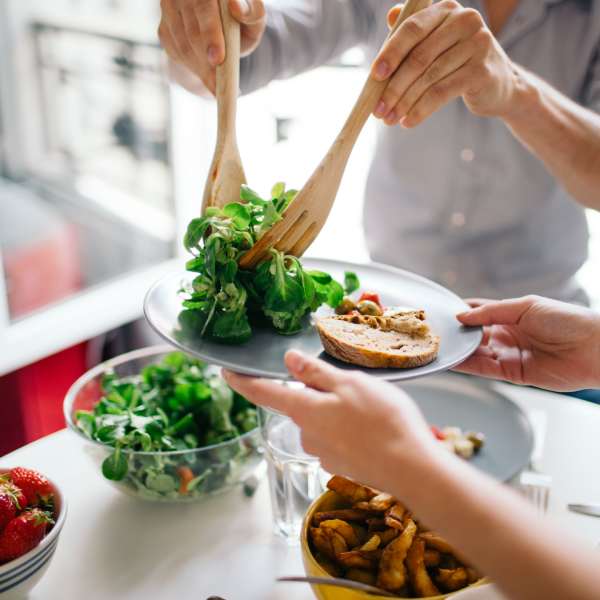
(372, 90)
(228, 72)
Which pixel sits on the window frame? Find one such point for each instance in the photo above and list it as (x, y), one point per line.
(92, 311)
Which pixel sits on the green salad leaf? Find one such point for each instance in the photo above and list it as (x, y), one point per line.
(224, 302)
(176, 404)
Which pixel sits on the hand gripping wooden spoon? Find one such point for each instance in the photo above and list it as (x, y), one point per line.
(306, 215)
(226, 173)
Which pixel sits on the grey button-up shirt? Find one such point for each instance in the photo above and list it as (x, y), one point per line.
(459, 199)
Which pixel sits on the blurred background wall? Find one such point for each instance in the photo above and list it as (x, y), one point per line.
(102, 164)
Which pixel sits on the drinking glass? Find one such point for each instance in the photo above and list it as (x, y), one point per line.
(295, 477)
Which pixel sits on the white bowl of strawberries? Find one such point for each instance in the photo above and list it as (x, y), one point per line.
(32, 514)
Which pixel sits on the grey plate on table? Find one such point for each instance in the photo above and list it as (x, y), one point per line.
(263, 355)
(458, 400)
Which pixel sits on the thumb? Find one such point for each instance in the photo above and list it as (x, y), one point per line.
(501, 312)
(312, 372)
(393, 14)
(247, 12)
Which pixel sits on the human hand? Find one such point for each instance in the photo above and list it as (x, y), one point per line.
(536, 341)
(438, 54)
(357, 425)
(191, 33)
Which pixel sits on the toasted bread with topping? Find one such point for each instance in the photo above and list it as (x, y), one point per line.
(400, 339)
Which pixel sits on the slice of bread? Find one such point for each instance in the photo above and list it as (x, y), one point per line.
(399, 340)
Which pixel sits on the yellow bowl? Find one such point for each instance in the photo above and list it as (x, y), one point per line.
(326, 502)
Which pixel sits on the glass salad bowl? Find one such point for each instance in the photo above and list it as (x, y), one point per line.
(123, 397)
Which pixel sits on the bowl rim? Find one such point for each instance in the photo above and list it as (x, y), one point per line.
(11, 565)
(308, 553)
(89, 375)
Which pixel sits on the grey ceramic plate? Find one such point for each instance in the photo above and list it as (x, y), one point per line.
(469, 403)
(263, 354)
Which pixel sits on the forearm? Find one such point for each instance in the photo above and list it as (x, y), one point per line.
(523, 553)
(561, 133)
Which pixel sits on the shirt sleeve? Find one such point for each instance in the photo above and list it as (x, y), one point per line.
(303, 34)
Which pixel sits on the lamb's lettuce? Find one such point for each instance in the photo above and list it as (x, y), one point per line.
(223, 302)
(177, 404)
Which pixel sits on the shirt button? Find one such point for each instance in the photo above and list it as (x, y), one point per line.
(458, 219)
(450, 277)
(467, 155)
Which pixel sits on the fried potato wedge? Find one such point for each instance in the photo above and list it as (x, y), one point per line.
(432, 540)
(344, 514)
(432, 557)
(396, 511)
(328, 541)
(337, 541)
(361, 576)
(381, 502)
(393, 523)
(387, 535)
(358, 559)
(392, 572)
(451, 580)
(372, 538)
(361, 532)
(355, 492)
(417, 573)
(344, 529)
(372, 543)
(321, 542)
(376, 524)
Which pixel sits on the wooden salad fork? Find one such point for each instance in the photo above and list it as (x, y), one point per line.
(226, 174)
(306, 215)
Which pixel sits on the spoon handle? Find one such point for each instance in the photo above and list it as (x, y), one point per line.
(228, 74)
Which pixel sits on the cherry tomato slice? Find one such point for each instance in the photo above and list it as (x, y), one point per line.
(373, 297)
(437, 432)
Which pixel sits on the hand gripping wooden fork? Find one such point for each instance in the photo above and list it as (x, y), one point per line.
(306, 215)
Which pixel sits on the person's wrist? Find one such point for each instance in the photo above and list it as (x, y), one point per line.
(524, 98)
(420, 466)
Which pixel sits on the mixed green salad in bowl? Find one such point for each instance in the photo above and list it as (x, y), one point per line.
(164, 426)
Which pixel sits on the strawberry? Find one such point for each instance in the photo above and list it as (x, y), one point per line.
(36, 487)
(23, 533)
(8, 509)
(7, 487)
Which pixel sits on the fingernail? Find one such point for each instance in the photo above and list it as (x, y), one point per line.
(380, 110)
(404, 122)
(213, 55)
(391, 118)
(295, 361)
(382, 70)
(244, 7)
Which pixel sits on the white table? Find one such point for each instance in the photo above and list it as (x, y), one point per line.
(114, 546)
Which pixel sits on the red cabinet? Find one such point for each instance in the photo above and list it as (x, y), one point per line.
(40, 253)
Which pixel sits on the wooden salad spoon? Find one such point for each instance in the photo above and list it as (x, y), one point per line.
(306, 215)
(226, 174)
